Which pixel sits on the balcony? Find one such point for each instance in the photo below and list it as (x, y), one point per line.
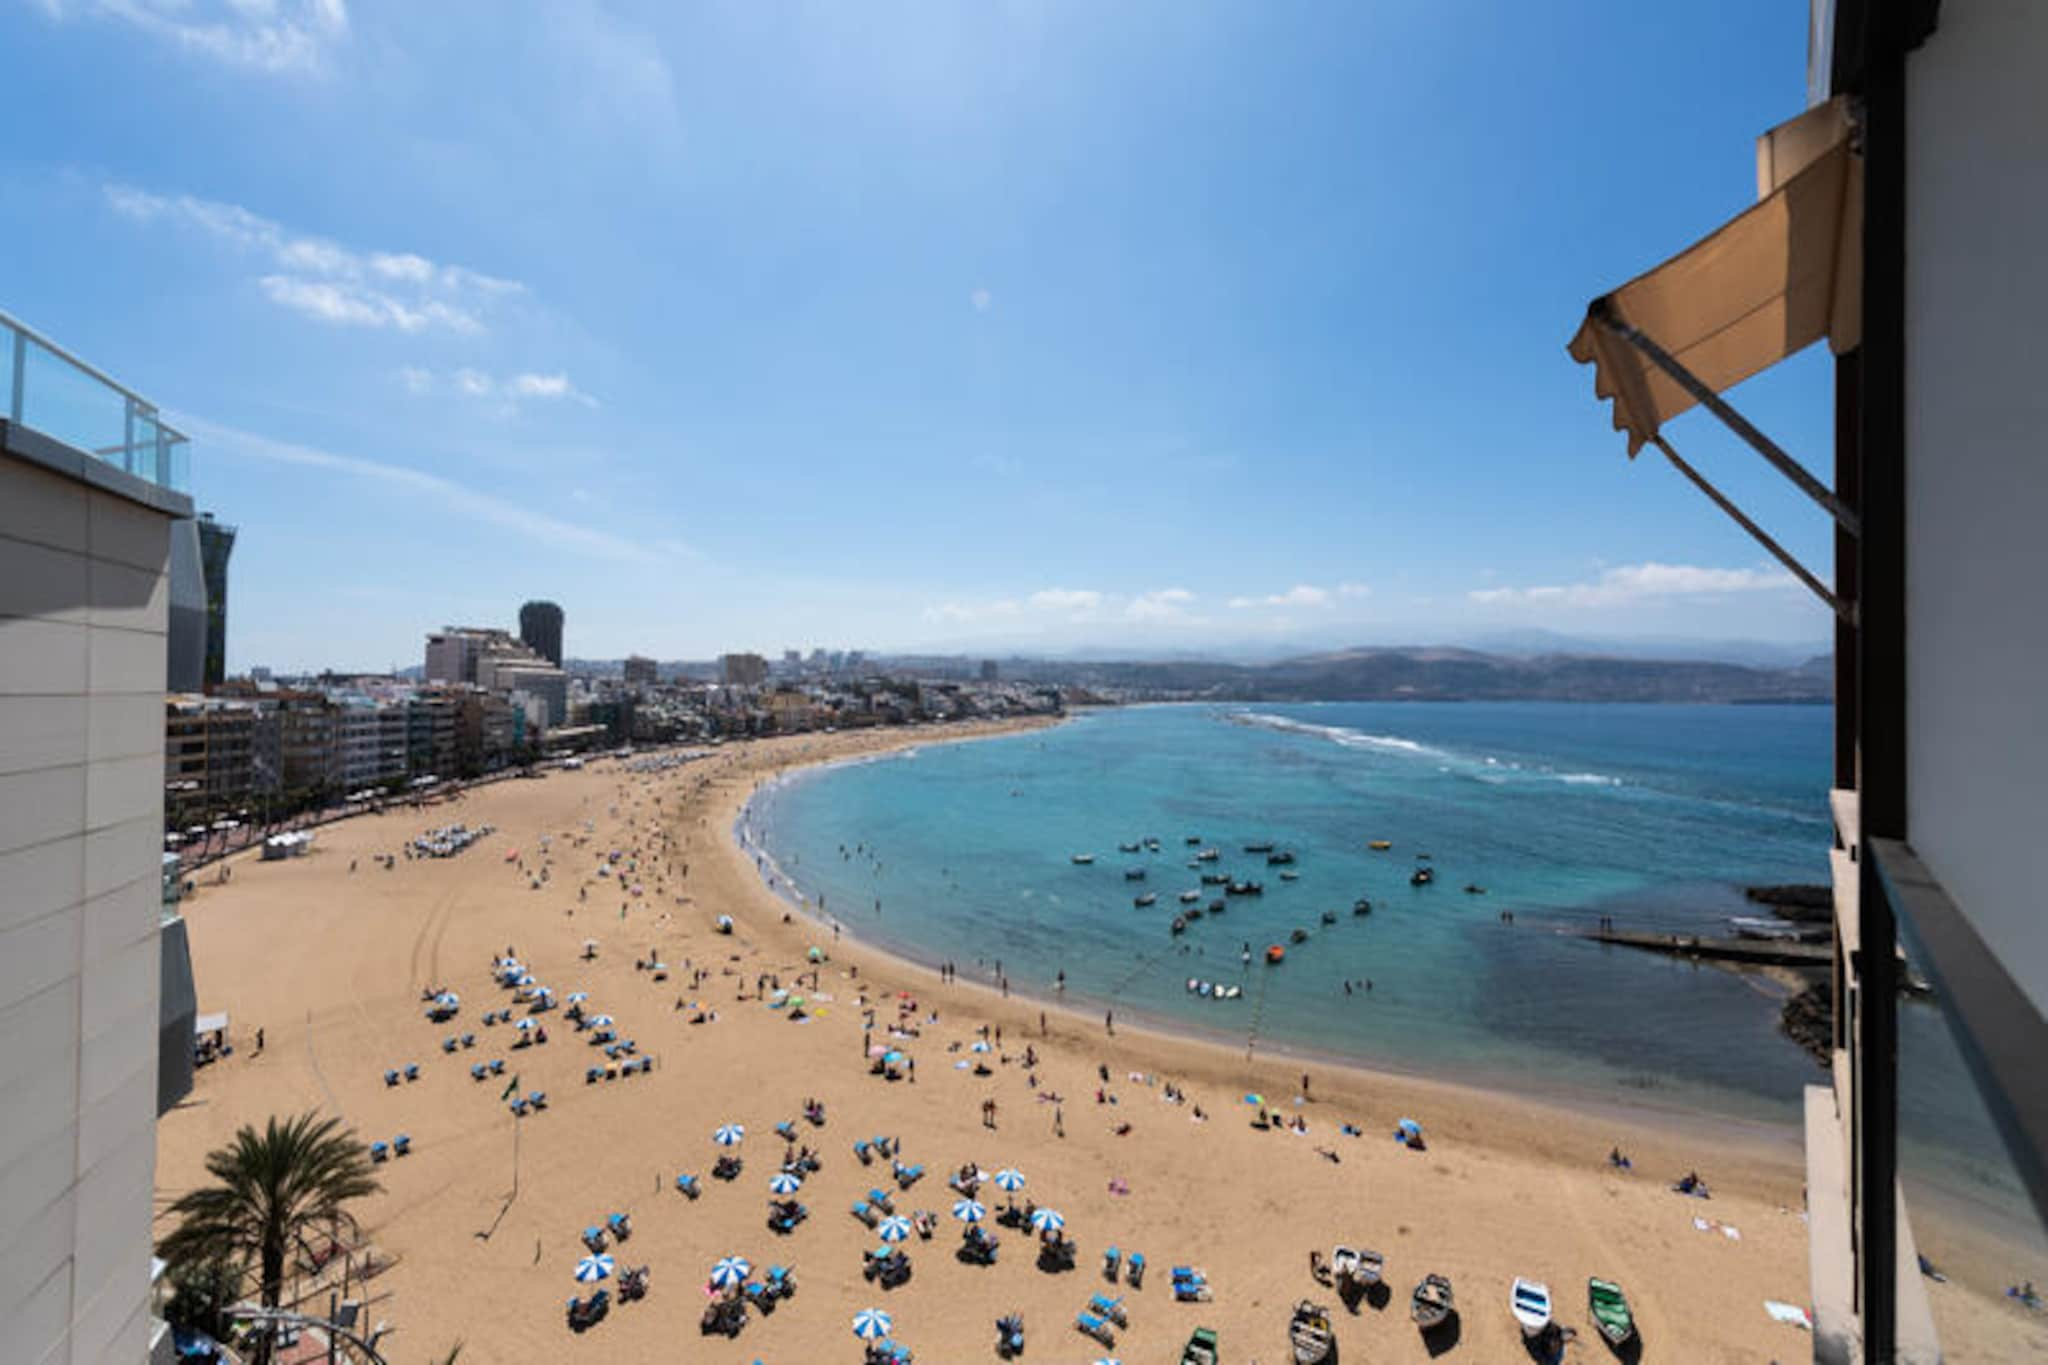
(54, 392)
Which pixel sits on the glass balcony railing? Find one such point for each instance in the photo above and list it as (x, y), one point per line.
(53, 391)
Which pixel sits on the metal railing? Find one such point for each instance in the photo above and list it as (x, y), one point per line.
(66, 398)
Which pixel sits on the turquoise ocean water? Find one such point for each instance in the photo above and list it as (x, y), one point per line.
(1655, 815)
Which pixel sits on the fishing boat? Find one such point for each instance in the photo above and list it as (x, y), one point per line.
(1190, 897)
(1194, 913)
(1083, 859)
(1610, 1311)
(1229, 992)
(1329, 916)
(1134, 874)
(1245, 889)
(1259, 848)
(1215, 879)
(1529, 1301)
(1180, 924)
(1275, 954)
(1361, 906)
(1380, 845)
(1194, 841)
(1208, 855)
(1308, 1333)
(1280, 859)
(1432, 1304)
(1149, 898)
(1290, 876)
(1474, 889)
(1298, 936)
(1151, 845)
(1218, 906)
(1127, 848)
(1421, 876)
(1200, 987)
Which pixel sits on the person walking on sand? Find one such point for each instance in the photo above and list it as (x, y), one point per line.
(1109, 1022)
(259, 1042)
(1059, 1122)
(1304, 1084)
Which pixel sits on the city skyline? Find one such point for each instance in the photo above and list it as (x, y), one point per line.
(971, 335)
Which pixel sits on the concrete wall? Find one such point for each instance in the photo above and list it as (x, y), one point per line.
(83, 612)
(1977, 471)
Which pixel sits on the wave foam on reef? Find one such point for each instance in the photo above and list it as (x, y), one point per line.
(1484, 768)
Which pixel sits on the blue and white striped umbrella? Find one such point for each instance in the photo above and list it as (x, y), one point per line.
(1048, 1220)
(577, 997)
(523, 979)
(591, 1269)
(894, 1228)
(980, 1045)
(525, 1026)
(1010, 1178)
(544, 992)
(730, 1271)
(969, 1210)
(729, 1134)
(872, 1324)
(599, 1021)
(782, 1182)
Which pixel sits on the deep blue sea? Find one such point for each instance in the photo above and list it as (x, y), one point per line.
(1655, 815)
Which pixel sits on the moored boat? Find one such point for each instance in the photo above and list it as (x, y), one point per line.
(1361, 906)
(1432, 1303)
(1127, 848)
(1190, 897)
(1329, 916)
(1290, 876)
(1308, 1334)
(1180, 924)
(1769, 930)
(1263, 847)
(1421, 876)
(1084, 859)
(1529, 1301)
(1245, 889)
(1298, 936)
(1149, 898)
(1134, 874)
(1275, 954)
(1280, 859)
(1610, 1310)
(1380, 845)
(1208, 855)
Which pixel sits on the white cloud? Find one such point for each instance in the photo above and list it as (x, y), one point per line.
(1071, 606)
(1300, 595)
(473, 383)
(1065, 599)
(982, 300)
(417, 381)
(1166, 604)
(454, 498)
(326, 281)
(1354, 590)
(1629, 583)
(278, 37)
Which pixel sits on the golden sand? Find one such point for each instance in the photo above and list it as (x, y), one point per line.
(481, 1222)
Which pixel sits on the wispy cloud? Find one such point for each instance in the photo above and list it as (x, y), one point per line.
(1628, 583)
(324, 280)
(277, 37)
(1065, 599)
(454, 498)
(1167, 604)
(1070, 606)
(1300, 595)
(473, 383)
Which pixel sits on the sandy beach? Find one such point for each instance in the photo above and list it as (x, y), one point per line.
(479, 1225)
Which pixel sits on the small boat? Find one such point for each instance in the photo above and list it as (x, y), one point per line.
(1474, 889)
(1149, 898)
(1215, 879)
(1329, 916)
(1529, 1301)
(1194, 913)
(1127, 848)
(1308, 1333)
(1290, 876)
(1207, 855)
(1421, 876)
(1280, 859)
(1218, 906)
(1134, 874)
(1298, 936)
(1245, 889)
(1275, 954)
(1361, 906)
(1194, 841)
(1152, 845)
(1180, 924)
(1083, 859)
(1380, 845)
(1432, 1304)
(1609, 1307)
(1199, 987)
(1229, 992)
(1258, 848)
(1190, 897)
(1771, 930)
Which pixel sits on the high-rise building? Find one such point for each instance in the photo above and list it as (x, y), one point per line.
(641, 672)
(216, 543)
(540, 627)
(97, 972)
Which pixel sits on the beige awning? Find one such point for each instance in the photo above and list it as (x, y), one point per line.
(1769, 282)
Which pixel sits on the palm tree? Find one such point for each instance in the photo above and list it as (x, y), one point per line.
(270, 1188)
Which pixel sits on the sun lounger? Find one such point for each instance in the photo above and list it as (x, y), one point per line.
(412, 1071)
(865, 1211)
(619, 1225)
(477, 1071)
(786, 1130)
(401, 1145)
(689, 1185)
(884, 1147)
(594, 1238)
(1134, 1270)
(1091, 1326)
(1106, 1307)
(906, 1176)
(1112, 1261)
(379, 1150)
(469, 1040)
(519, 1106)
(497, 1066)
(881, 1200)
(592, 1075)
(448, 1045)
(391, 1078)
(865, 1151)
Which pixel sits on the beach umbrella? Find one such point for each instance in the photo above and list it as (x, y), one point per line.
(599, 1021)
(448, 999)
(1010, 1178)
(817, 954)
(591, 1269)
(543, 992)
(523, 979)
(878, 1050)
(524, 1026)
(894, 1228)
(872, 1324)
(1255, 1099)
(796, 1002)
(980, 1045)
(969, 1210)
(893, 1058)
(1048, 1220)
(577, 997)
(729, 1271)
(779, 993)
(782, 1182)
(725, 921)
(729, 1134)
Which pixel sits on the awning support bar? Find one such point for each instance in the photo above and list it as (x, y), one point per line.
(1604, 313)
(1763, 537)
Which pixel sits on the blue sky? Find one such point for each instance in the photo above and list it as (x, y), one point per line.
(980, 325)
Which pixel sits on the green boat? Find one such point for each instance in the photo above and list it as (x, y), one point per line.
(1610, 1311)
(1201, 1348)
